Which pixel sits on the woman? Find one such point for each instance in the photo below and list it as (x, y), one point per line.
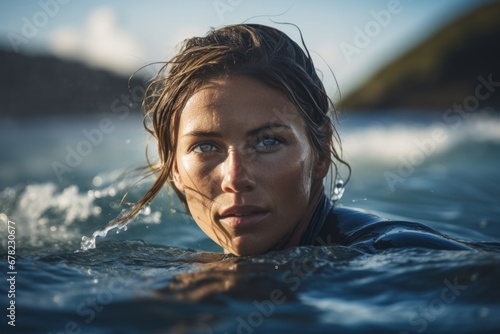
(246, 138)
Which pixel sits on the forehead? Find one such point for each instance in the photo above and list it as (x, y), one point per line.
(238, 102)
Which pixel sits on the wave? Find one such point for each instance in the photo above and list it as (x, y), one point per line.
(384, 143)
(47, 217)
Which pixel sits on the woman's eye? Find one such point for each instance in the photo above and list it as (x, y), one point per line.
(204, 148)
(268, 143)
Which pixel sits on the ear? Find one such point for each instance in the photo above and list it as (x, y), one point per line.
(321, 167)
(177, 178)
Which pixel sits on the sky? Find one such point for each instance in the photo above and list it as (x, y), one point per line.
(352, 39)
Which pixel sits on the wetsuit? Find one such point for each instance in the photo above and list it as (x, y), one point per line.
(332, 225)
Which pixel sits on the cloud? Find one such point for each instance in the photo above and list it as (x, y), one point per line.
(101, 43)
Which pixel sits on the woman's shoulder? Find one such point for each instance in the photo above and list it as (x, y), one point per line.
(354, 227)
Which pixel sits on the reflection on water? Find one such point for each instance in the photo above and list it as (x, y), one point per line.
(129, 286)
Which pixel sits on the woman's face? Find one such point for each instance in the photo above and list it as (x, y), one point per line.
(245, 163)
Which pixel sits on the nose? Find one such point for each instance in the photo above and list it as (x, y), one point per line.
(236, 174)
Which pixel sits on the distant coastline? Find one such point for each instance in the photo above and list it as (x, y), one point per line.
(39, 86)
(444, 70)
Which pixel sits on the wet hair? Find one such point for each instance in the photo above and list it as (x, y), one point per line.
(260, 52)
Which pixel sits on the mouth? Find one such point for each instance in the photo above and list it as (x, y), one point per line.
(242, 217)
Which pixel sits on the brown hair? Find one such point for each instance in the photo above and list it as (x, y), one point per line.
(261, 52)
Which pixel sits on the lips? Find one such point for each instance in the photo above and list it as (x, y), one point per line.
(240, 217)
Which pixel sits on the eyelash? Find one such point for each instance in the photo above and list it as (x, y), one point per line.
(277, 142)
(196, 148)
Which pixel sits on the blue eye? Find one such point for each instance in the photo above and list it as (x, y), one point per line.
(204, 148)
(268, 143)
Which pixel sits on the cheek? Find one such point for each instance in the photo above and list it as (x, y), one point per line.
(292, 178)
(298, 179)
(305, 177)
(195, 188)
(195, 174)
(200, 186)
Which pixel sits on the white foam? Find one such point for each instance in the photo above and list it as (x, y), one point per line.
(382, 144)
(45, 216)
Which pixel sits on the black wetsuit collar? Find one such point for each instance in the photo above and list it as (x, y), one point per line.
(318, 219)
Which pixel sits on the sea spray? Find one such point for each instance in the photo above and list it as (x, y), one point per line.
(90, 242)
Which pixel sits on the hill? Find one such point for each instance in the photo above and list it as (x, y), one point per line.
(43, 85)
(441, 71)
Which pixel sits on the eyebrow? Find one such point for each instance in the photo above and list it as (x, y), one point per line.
(250, 133)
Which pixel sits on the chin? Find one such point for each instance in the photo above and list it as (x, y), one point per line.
(246, 248)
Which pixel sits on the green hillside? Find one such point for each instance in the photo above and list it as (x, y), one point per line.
(441, 71)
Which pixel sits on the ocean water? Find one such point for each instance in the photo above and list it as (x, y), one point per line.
(62, 180)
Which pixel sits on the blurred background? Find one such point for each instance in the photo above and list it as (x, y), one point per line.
(384, 54)
(418, 90)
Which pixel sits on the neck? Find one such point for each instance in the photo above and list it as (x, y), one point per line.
(294, 236)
